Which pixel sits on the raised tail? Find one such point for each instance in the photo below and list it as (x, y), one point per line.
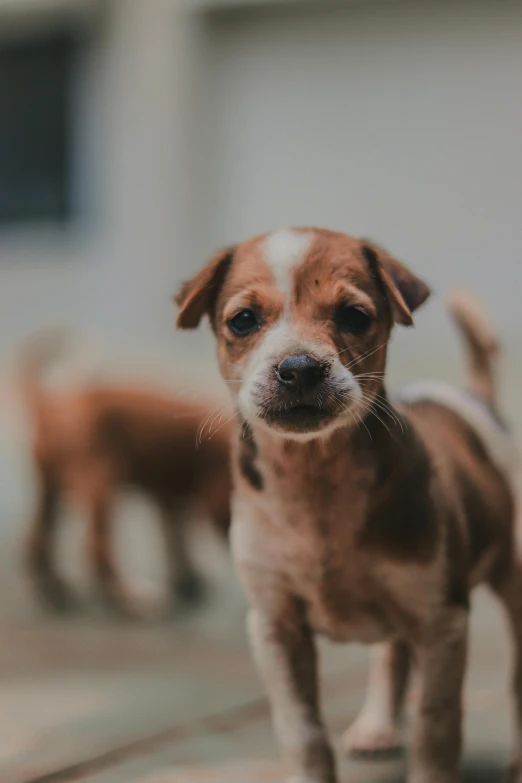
(482, 345)
(40, 353)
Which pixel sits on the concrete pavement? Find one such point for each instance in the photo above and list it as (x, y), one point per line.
(92, 700)
(173, 705)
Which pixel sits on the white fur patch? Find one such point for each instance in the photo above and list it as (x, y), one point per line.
(283, 250)
(497, 442)
(375, 729)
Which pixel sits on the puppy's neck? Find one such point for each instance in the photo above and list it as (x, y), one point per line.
(314, 449)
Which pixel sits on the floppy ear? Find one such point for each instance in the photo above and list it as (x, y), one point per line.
(198, 296)
(404, 290)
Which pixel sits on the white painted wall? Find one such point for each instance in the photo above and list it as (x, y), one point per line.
(399, 120)
(116, 269)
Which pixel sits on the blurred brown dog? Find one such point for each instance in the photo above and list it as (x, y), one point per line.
(96, 439)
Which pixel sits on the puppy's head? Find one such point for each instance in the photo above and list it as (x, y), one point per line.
(302, 319)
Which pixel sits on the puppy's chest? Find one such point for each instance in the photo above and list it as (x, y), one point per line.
(310, 548)
(343, 599)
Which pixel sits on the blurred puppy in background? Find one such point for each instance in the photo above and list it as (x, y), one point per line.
(97, 438)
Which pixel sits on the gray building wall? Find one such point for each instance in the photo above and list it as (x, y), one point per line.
(398, 120)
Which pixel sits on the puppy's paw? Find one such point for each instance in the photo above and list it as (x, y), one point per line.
(190, 589)
(370, 739)
(132, 604)
(56, 596)
(321, 764)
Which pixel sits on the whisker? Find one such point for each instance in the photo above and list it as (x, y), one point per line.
(385, 405)
(369, 377)
(369, 408)
(202, 427)
(244, 428)
(386, 411)
(385, 401)
(219, 416)
(356, 413)
(236, 413)
(382, 403)
(352, 416)
(208, 421)
(365, 355)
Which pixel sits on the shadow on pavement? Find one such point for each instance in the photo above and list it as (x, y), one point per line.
(475, 770)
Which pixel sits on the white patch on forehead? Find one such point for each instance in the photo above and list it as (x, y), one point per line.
(283, 250)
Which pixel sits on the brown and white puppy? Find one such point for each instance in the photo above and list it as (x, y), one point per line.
(354, 517)
(93, 440)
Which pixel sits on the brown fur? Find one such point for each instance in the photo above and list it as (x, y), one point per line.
(373, 522)
(91, 442)
(247, 455)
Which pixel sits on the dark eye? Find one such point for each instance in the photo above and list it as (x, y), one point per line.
(352, 319)
(244, 323)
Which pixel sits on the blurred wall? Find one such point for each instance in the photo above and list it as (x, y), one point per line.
(115, 267)
(398, 120)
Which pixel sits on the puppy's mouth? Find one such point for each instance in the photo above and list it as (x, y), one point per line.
(300, 417)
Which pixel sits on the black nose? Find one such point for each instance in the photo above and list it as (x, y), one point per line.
(301, 372)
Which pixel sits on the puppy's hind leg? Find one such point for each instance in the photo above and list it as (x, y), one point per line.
(109, 585)
(40, 548)
(509, 590)
(376, 730)
(186, 584)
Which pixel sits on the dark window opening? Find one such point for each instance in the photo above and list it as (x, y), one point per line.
(35, 128)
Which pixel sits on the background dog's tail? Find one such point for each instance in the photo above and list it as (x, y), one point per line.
(481, 343)
(41, 353)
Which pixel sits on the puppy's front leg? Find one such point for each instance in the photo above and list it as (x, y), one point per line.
(376, 729)
(437, 735)
(284, 651)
